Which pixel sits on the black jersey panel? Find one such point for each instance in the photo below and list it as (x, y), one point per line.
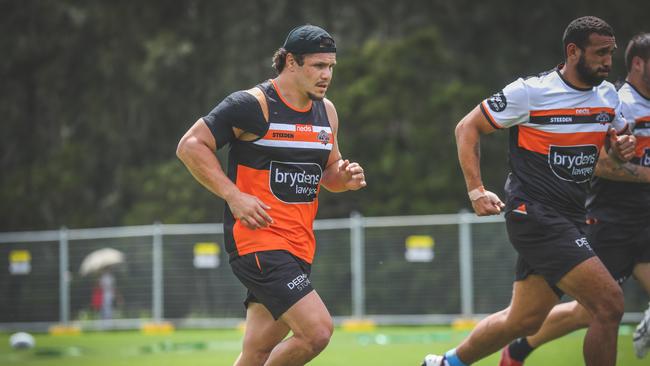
(613, 201)
(241, 110)
(529, 180)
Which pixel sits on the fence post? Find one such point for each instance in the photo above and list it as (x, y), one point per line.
(466, 264)
(157, 277)
(357, 264)
(64, 284)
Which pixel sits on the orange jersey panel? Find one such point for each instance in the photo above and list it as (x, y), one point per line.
(292, 228)
(539, 141)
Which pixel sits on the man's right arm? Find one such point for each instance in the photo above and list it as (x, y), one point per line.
(468, 137)
(196, 150)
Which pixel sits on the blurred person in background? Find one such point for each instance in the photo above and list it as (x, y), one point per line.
(558, 123)
(105, 295)
(283, 146)
(618, 210)
(107, 286)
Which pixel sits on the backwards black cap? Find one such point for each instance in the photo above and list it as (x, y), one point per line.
(309, 39)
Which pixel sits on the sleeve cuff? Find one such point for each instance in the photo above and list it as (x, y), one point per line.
(488, 116)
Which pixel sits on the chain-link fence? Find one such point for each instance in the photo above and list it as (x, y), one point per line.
(394, 270)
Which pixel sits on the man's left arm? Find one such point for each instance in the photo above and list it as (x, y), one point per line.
(340, 174)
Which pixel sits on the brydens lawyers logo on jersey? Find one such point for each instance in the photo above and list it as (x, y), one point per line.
(498, 102)
(573, 163)
(295, 182)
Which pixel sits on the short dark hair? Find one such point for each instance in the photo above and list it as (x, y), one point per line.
(280, 59)
(579, 30)
(639, 45)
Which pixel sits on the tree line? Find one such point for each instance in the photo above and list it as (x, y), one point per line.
(96, 94)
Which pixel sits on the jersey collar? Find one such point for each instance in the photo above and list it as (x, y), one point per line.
(637, 90)
(559, 67)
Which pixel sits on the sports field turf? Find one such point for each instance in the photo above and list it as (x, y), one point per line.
(383, 347)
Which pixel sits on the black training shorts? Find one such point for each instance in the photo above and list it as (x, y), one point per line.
(549, 244)
(620, 246)
(275, 278)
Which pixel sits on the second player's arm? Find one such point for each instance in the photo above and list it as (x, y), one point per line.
(340, 175)
(612, 169)
(468, 141)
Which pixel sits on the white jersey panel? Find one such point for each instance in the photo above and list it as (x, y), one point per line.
(636, 110)
(508, 107)
(550, 95)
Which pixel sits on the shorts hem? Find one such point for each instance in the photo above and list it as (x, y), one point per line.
(276, 313)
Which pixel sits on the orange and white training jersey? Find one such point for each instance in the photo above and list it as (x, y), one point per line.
(556, 133)
(283, 168)
(626, 202)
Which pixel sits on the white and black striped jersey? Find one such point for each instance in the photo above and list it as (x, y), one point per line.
(556, 133)
(626, 202)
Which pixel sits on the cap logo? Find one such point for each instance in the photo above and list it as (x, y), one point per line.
(326, 42)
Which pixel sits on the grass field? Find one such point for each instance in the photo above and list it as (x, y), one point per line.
(382, 347)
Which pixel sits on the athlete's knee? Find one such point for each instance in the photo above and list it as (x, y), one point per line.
(609, 307)
(319, 337)
(316, 337)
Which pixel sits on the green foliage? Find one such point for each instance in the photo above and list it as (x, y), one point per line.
(398, 112)
(95, 96)
(166, 192)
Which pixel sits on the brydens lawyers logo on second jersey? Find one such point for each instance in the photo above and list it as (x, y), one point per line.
(295, 182)
(573, 163)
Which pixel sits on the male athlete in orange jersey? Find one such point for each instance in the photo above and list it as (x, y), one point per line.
(618, 209)
(283, 146)
(558, 122)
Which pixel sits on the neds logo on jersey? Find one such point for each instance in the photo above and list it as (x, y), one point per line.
(295, 182)
(573, 163)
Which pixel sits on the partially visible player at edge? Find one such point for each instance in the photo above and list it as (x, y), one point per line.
(558, 123)
(283, 146)
(618, 209)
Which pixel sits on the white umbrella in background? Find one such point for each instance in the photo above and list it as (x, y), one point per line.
(100, 259)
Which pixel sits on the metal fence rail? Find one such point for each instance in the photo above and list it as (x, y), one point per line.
(393, 270)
